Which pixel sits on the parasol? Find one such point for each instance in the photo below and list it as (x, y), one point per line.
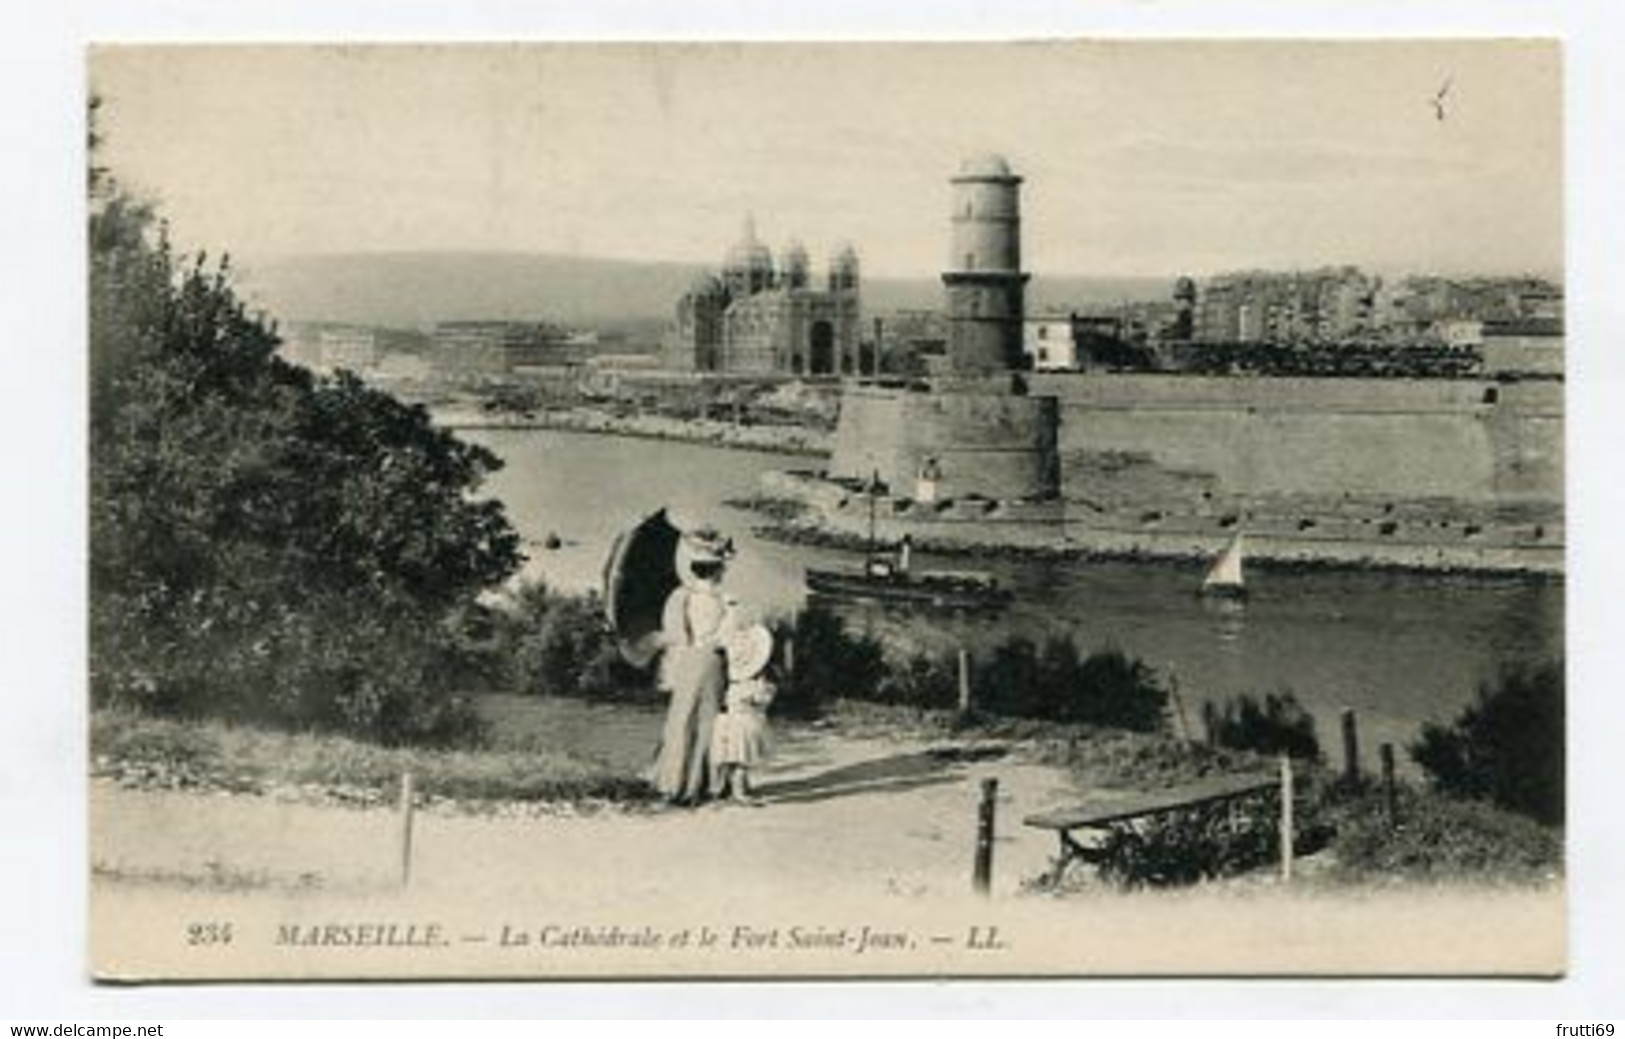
(639, 577)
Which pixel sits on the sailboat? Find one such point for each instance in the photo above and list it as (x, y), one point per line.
(1224, 579)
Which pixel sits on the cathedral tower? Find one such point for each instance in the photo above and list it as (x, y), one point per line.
(984, 281)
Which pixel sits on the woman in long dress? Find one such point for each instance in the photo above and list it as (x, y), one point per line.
(696, 623)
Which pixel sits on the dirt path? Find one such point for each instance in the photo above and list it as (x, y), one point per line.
(858, 864)
(843, 814)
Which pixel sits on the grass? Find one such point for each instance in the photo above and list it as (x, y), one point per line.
(1441, 838)
(171, 754)
(1095, 756)
(216, 876)
(1116, 758)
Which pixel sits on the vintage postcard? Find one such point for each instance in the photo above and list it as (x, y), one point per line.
(824, 510)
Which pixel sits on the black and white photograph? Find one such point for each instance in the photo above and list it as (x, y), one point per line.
(1075, 508)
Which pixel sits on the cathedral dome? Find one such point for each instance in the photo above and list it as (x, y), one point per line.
(749, 254)
(843, 268)
(796, 264)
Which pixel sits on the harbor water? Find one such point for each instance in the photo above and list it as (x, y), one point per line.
(1398, 648)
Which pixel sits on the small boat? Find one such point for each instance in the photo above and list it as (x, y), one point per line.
(1224, 579)
(892, 580)
(945, 589)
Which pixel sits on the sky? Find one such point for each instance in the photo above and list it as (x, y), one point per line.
(1139, 157)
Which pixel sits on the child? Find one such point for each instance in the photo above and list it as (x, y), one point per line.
(739, 739)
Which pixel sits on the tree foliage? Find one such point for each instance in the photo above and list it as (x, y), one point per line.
(1506, 747)
(1273, 724)
(555, 644)
(1016, 678)
(265, 543)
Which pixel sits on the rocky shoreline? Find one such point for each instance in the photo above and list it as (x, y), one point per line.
(789, 521)
(797, 441)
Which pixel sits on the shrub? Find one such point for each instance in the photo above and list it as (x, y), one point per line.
(560, 645)
(1054, 683)
(1441, 837)
(1507, 747)
(265, 544)
(921, 681)
(831, 662)
(1017, 679)
(1277, 724)
(1117, 690)
(1188, 846)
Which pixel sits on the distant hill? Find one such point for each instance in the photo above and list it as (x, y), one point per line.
(407, 290)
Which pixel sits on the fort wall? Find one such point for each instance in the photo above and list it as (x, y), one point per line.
(1472, 441)
(996, 446)
(1451, 474)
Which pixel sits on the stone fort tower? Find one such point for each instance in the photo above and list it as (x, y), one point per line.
(984, 281)
(974, 428)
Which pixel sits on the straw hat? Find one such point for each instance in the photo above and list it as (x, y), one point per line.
(749, 650)
(704, 545)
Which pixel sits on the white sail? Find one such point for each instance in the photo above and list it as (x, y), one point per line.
(1226, 571)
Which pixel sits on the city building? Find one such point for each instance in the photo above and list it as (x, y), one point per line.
(755, 317)
(1327, 305)
(1048, 343)
(329, 346)
(499, 347)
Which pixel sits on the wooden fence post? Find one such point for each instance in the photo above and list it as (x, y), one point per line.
(1286, 818)
(982, 874)
(964, 681)
(1351, 747)
(1179, 708)
(1390, 788)
(407, 806)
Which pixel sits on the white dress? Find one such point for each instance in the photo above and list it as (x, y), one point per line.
(694, 673)
(740, 735)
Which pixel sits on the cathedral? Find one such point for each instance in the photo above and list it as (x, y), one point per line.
(756, 318)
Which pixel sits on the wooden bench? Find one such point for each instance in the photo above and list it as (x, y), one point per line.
(1102, 813)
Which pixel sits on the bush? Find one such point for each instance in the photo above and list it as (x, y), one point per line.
(1054, 683)
(1189, 846)
(1444, 838)
(831, 663)
(1507, 747)
(265, 544)
(1112, 688)
(921, 681)
(1275, 725)
(1017, 679)
(560, 645)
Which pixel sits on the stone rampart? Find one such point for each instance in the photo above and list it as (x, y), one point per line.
(991, 445)
(1239, 438)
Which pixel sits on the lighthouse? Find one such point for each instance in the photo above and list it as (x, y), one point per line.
(984, 282)
(969, 445)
